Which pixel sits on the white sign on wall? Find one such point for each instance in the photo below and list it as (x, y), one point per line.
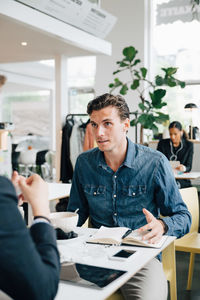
(79, 13)
(175, 10)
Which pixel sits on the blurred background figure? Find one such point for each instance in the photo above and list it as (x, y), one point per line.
(2, 80)
(178, 148)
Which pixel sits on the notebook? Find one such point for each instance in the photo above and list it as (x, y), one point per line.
(123, 235)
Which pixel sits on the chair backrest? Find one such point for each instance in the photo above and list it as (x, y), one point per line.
(190, 197)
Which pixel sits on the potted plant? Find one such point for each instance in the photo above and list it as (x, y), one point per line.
(151, 95)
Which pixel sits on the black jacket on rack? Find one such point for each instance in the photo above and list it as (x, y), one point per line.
(184, 155)
(66, 170)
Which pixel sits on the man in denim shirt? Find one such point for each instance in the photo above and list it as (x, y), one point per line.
(124, 184)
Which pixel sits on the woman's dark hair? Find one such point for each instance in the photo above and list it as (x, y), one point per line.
(109, 100)
(176, 124)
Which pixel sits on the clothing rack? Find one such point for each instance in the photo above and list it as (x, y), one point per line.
(75, 115)
(83, 115)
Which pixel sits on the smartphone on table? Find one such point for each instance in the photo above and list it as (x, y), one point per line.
(122, 255)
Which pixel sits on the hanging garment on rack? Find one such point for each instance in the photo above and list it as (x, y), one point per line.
(89, 138)
(66, 170)
(76, 142)
(73, 140)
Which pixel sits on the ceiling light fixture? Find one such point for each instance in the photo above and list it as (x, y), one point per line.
(24, 44)
(190, 106)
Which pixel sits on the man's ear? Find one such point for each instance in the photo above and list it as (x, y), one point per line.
(126, 125)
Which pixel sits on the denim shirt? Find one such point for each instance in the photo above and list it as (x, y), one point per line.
(112, 199)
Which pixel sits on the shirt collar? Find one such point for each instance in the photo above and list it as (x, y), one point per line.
(101, 160)
(128, 162)
(130, 154)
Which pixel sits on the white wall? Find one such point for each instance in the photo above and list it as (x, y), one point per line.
(129, 30)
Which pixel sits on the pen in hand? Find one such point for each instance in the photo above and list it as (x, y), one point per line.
(126, 233)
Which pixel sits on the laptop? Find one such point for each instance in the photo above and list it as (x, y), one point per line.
(88, 276)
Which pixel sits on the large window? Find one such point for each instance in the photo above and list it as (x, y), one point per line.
(175, 43)
(29, 112)
(81, 76)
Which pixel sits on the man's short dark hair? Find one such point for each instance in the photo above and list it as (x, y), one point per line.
(106, 100)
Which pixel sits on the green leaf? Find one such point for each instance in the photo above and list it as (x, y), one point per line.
(182, 84)
(123, 65)
(137, 61)
(151, 96)
(171, 82)
(135, 84)
(136, 73)
(111, 85)
(148, 103)
(116, 72)
(146, 120)
(169, 71)
(129, 53)
(154, 128)
(142, 106)
(134, 122)
(161, 118)
(124, 90)
(117, 82)
(163, 104)
(156, 97)
(144, 72)
(159, 80)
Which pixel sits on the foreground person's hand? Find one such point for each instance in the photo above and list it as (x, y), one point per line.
(35, 191)
(15, 181)
(181, 168)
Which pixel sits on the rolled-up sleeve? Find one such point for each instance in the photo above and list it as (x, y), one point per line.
(169, 200)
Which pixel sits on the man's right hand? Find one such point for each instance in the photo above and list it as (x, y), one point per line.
(35, 191)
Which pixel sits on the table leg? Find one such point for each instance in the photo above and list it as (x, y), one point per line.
(169, 266)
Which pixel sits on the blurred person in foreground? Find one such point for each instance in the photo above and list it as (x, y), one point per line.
(178, 148)
(121, 183)
(29, 259)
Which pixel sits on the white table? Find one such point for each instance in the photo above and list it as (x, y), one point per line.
(77, 250)
(55, 191)
(58, 190)
(189, 175)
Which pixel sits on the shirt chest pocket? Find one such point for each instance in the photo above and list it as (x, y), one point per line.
(95, 192)
(134, 196)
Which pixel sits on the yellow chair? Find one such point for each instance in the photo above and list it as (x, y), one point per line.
(190, 242)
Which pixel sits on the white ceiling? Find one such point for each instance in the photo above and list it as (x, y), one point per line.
(19, 23)
(40, 45)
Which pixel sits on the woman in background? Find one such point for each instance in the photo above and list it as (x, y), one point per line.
(178, 148)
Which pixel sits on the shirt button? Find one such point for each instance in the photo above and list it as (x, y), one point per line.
(95, 193)
(115, 176)
(115, 196)
(133, 194)
(115, 214)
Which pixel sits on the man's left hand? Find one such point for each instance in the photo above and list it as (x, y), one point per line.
(155, 227)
